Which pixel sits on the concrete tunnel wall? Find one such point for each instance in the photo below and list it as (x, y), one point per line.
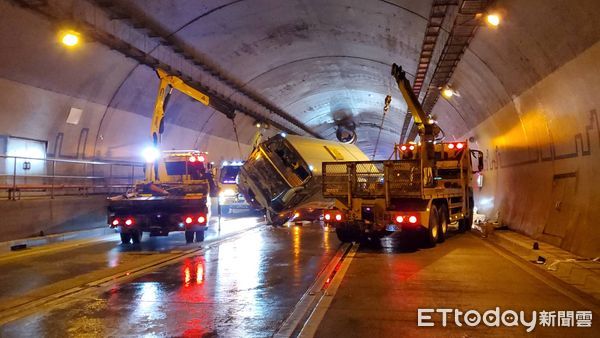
(528, 97)
(40, 81)
(527, 91)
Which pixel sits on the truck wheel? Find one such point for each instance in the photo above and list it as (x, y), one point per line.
(200, 236)
(136, 237)
(433, 232)
(344, 235)
(443, 224)
(189, 237)
(466, 223)
(125, 238)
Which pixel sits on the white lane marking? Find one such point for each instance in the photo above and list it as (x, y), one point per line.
(313, 322)
(310, 298)
(52, 248)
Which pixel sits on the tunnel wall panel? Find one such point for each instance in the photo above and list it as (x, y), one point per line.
(27, 218)
(542, 158)
(39, 114)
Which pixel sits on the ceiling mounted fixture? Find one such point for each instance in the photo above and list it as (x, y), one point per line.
(346, 131)
(493, 19)
(69, 38)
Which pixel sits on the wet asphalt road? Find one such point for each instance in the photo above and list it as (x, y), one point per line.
(243, 287)
(246, 286)
(463, 273)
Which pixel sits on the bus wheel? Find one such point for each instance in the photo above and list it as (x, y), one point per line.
(443, 222)
(433, 232)
(274, 219)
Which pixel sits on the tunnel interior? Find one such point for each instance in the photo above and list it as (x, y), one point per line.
(525, 91)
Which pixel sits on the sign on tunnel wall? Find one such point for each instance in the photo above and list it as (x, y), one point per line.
(26, 152)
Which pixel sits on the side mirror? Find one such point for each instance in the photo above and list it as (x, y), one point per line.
(478, 155)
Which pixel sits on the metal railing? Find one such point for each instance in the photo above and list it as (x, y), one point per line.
(403, 178)
(36, 177)
(357, 179)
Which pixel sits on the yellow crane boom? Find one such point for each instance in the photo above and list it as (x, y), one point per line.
(168, 82)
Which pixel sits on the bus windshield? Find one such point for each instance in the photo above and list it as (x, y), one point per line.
(229, 174)
(261, 170)
(289, 163)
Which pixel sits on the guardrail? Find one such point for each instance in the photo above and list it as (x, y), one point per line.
(38, 177)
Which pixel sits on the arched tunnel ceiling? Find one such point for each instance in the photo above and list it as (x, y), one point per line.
(316, 60)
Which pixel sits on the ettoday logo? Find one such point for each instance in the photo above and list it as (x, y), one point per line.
(496, 318)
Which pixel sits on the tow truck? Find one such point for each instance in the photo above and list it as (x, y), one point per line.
(422, 190)
(175, 194)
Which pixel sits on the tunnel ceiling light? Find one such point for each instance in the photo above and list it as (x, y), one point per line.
(447, 92)
(70, 38)
(493, 19)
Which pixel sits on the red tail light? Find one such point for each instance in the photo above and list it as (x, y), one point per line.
(115, 222)
(201, 219)
(459, 146)
(338, 217)
(411, 147)
(192, 159)
(403, 148)
(201, 158)
(129, 221)
(327, 217)
(451, 146)
(188, 220)
(412, 219)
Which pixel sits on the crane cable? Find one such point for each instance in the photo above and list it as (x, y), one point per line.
(236, 136)
(386, 107)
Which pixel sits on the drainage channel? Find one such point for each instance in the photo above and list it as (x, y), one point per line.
(73, 294)
(310, 310)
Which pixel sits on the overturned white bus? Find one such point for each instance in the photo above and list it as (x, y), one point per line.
(284, 173)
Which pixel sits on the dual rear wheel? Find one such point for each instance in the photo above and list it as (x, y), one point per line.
(438, 225)
(134, 236)
(189, 236)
